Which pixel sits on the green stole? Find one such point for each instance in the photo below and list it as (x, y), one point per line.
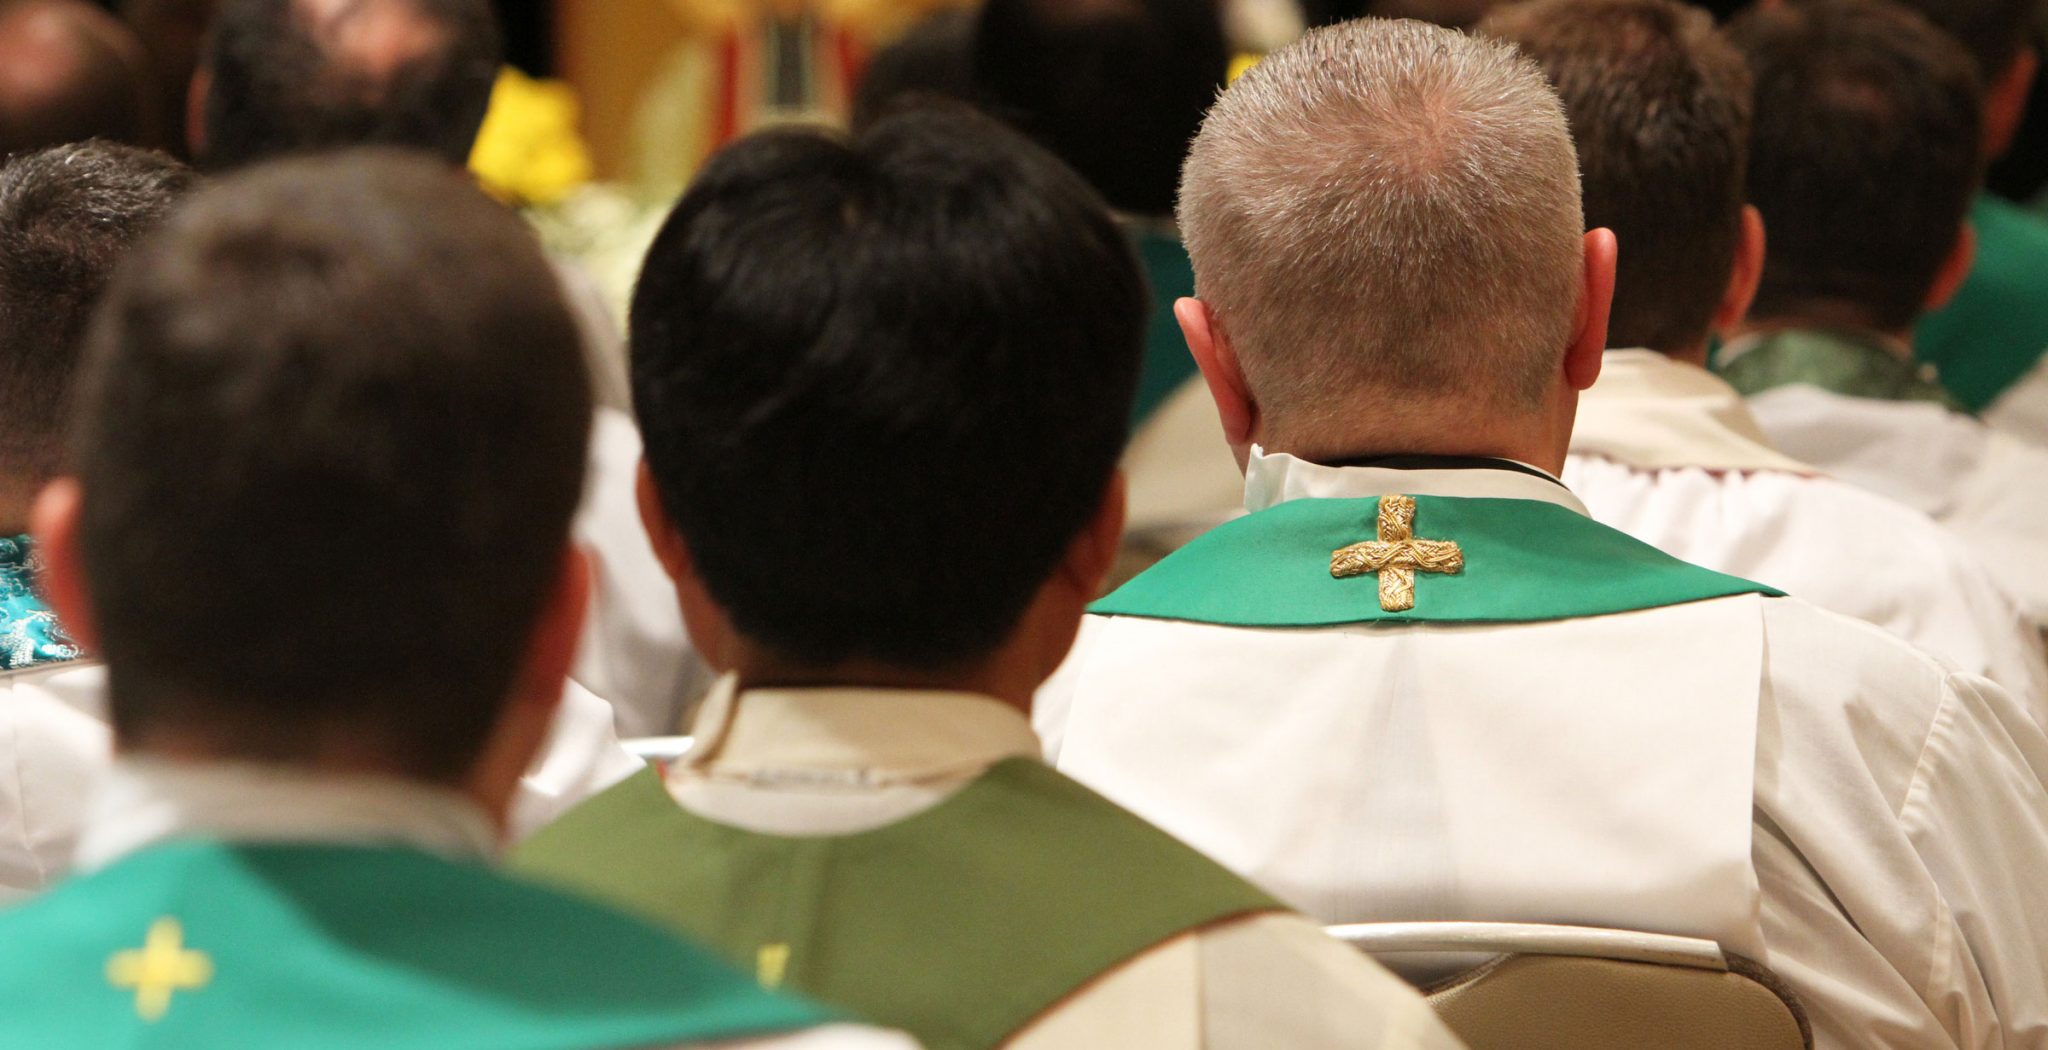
(344, 947)
(1842, 362)
(1167, 364)
(1996, 328)
(960, 924)
(1525, 561)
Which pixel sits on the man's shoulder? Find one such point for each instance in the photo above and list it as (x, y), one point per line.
(1818, 656)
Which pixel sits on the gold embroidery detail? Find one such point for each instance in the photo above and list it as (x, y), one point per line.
(770, 964)
(1397, 555)
(161, 967)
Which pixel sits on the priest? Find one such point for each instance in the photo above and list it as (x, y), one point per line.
(1664, 450)
(1865, 109)
(885, 383)
(332, 412)
(1418, 682)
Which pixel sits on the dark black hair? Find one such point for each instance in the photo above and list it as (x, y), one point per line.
(934, 60)
(1992, 31)
(277, 88)
(884, 382)
(1660, 109)
(1116, 88)
(1865, 154)
(330, 437)
(100, 89)
(67, 216)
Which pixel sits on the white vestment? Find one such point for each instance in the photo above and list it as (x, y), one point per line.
(2022, 410)
(841, 761)
(142, 803)
(55, 749)
(1800, 787)
(1986, 486)
(634, 652)
(1667, 452)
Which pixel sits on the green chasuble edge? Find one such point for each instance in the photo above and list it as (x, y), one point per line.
(1525, 561)
(1167, 364)
(960, 924)
(319, 947)
(1995, 330)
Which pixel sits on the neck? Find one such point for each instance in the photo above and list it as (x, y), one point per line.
(999, 683)
(1543, 448)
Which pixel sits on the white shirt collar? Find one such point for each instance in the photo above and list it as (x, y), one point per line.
(853, 737)
(1272, 478)
(147, 801)
(1653, 413)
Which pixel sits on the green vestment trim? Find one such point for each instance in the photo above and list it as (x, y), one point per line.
(1525, 561)
(1996, 328)
(343, 948)
(1167, 365)
(960, 924)
(1841, 362)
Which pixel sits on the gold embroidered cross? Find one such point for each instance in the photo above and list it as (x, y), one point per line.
(1397, 555)
(159, 968)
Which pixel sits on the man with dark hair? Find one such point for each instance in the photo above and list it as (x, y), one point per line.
(67, 216)
(884, 384)
(1863, 110)
(1418, 682)
(334, 413)
(1659, 105)
(289, 76)
(933, 60)
(1990, 341)
(68, 72)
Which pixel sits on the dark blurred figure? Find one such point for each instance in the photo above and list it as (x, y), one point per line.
(934, 60)
(172, 33)
(68, 72)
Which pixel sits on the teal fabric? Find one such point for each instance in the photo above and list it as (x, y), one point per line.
(1526, 561)
(1847, 363)
(29, 632)
(1167, 365)
(1996, 328)
(343, 948)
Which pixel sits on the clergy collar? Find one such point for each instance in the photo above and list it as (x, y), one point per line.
(852, 737)
(1651, 412)
(146, 801)
(1272, 478)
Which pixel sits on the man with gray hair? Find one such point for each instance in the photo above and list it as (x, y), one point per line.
(1417, 682)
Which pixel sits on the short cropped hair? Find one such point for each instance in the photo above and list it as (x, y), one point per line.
(1865, 156)
(884, 382)
(1660, 110)
(286, 79)
(89, 78)
(1387, 210)
(68, 215)
(1115, 88)
(329, 439)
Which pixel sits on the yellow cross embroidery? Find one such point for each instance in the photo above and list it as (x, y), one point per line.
(1397, 555)
(159, 968)
(770, 964)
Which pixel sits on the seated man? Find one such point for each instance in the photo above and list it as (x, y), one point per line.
(334, 412)
(67, 215)
(1663, 450)
(1865, 110)
(1991, 341)
(283, 77)
(1418, 682)
(884, 385)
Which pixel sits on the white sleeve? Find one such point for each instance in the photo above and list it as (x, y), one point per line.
(52, 754)
(829, 1037)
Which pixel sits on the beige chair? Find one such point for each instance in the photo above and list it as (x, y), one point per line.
(1577, 988)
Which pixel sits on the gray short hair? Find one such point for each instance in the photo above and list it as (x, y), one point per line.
(1388, 209)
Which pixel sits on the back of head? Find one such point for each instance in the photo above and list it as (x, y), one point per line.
(1660, 109)
(67, 216)
(1993, 31)
(1454, 14)
(1384, 217)
(884, 383)
(329, 439)
(1115, 88)
(1864, 157)
(69, 71)
(933, 60)
(298, 76)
